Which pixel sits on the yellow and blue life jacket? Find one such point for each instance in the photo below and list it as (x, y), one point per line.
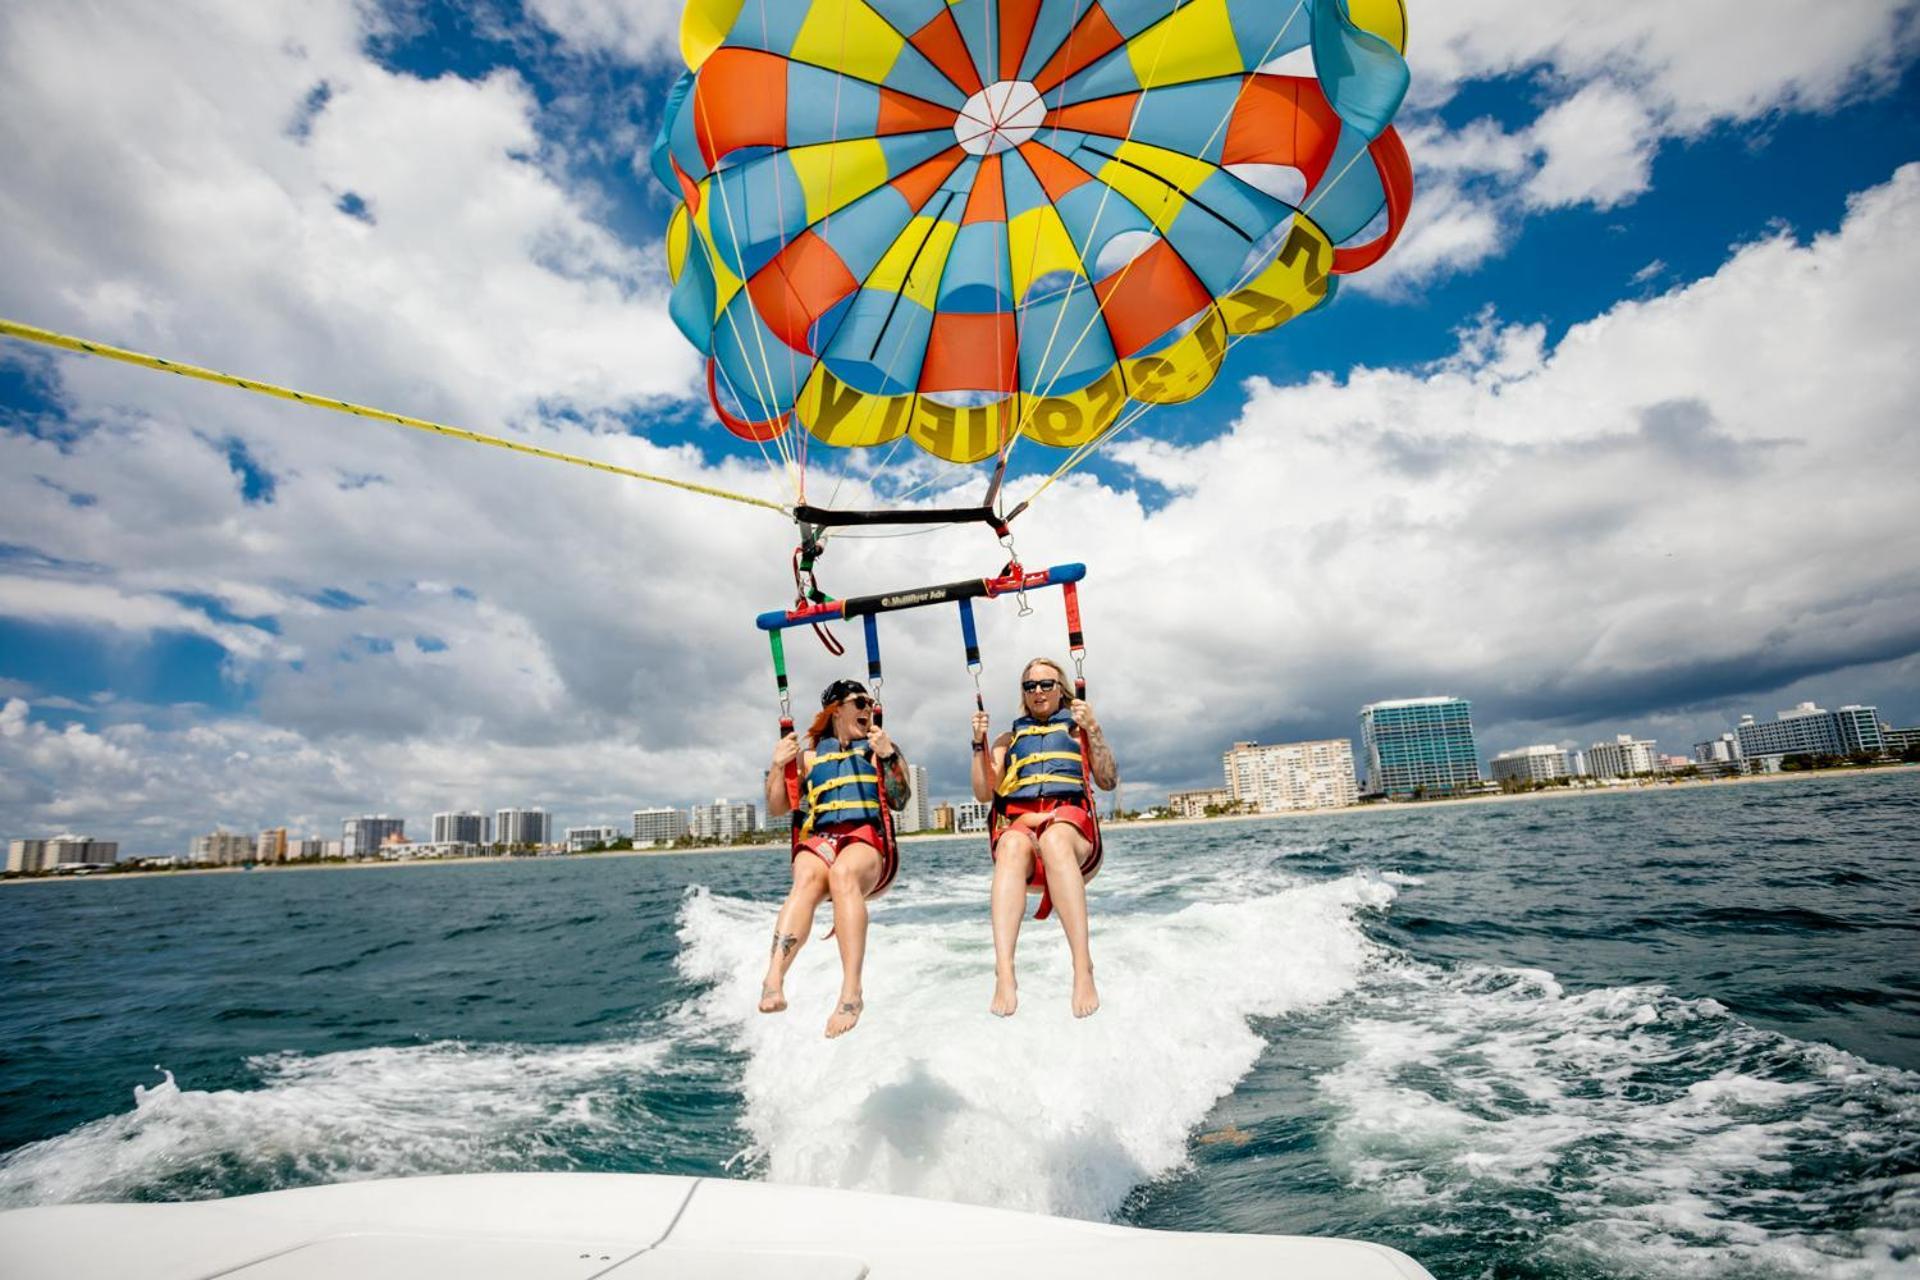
(1044, 760)
(841, 784)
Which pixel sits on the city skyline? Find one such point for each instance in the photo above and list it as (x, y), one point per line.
(1809, 729)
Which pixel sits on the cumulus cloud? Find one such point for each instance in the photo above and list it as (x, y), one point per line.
(1611, 85)
(1598, 527)
(639, 31)
(1604, 527)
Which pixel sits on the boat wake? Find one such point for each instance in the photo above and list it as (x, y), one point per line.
(1621, 1131)
(369, 1113)
(933, 1096)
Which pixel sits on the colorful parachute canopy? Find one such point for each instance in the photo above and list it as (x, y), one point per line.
(959, 220)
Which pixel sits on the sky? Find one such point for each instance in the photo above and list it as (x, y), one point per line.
(1617, 440)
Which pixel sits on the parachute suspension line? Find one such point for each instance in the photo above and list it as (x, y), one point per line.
(763, 390)
(774, 468)
(1099, 315)
(1088, 449)
(833, 163)
(1007, 438)
(899, 340)
(1100, 309)
(83, 346)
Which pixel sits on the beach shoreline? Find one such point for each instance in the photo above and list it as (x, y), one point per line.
(1395, 806)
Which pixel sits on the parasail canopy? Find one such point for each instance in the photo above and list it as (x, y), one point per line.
(965, 223)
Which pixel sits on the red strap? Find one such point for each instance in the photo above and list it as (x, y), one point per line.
(793, 787)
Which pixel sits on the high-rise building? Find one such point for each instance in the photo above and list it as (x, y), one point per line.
(1859, 730)
(581, 839)
(460, 828)
(517, 827)
(1900, 740)
(971, 816)
(60, 851)
(306, 847)
(918, 813)
(1809, 730)
(658, 825)
(943, 817)
(1624, 757)
(1532, 764)
(271, 845)
(1724, 749)
(1420, 745)
(1291, 775)
(721, 820)
(221, 848)
(362, 837)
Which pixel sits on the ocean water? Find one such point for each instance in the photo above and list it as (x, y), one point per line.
(1662, 1034)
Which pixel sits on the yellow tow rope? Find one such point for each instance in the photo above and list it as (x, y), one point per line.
(46, 337)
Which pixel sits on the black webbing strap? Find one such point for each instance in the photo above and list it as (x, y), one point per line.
(823, 518)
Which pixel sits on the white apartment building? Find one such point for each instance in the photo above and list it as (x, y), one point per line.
(581, 839)
(1624, 757)
(59, 851)
(1724, 749)
(721, 820)
(461, 828)
(221, 848)
(658, 825)
(1291, 775)
(362, 837)
(1532, 764)
(306, 847)
(971, 816)
(514, 827)
(918, 814)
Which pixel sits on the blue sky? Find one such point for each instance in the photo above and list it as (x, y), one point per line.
(1615, 441)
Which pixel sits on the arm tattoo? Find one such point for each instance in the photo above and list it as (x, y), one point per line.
(1105, 772)
(899, 790)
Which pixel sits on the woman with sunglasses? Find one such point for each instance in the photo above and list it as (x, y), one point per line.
(1043, 830)
(843, 847)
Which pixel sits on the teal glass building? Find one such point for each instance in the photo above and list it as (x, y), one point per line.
(1419, 746)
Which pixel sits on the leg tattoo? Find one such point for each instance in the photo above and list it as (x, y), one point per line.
(783, 943)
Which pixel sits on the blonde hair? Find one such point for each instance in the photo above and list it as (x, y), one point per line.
(1059, 673)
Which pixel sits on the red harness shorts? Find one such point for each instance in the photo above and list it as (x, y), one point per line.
(1057, 810)
(829, 839)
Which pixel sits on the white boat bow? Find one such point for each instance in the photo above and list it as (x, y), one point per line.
(573, 1226)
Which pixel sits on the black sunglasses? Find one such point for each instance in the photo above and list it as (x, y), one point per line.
(860, 702)
(1039, 686)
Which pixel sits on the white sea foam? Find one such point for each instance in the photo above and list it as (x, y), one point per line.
(1672, 1138)
(382, 1112)
(934, 1096)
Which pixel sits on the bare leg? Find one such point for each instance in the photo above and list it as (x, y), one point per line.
(854, 874)
(1061, 848)
(1012, 866)
(791, 927)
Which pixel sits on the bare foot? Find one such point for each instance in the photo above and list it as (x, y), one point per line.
(845, 1015)
(772, 1000)
(1085, 998)
(1006, 997)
